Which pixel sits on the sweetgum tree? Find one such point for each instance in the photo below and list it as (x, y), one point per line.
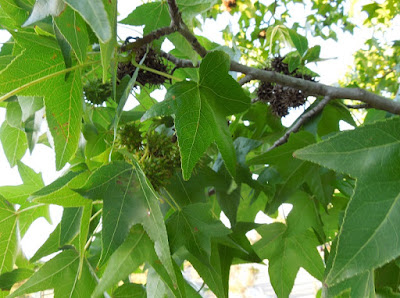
(143, 190)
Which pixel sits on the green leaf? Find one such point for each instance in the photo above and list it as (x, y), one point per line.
(193, 190)
(211, 274)
(361, 285)
(299, 41)
(29, 213)
(63, 197)
(64, 117)
(330, 118)
(312, 54)
(14, 115)
(152, 15)
(8, 279)
(59, 193)
(61, 274)
(5, 60)
(293, 61)
(289, 247)
(185, 48)
(369, 154)
(194, 227)
(128, 200)
(14, 143)
(9, 236)
(155, 287)
(200, 110)
(70, 223)
(292, 172)
(97, 140)
(321, 184)
(277, 33)
(19, 193)
(388, 276)
(73, 28)
(44, 8)
(29, 105)
(17, 14)
(56, 185)
(127, 86)
(229, 197)
(191, 8)
(108, 49)
(65, 47)
(94, 13)
(130, 290)
(136, 250)
(63, 99)
(249, 205)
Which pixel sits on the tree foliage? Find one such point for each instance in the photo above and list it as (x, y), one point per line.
(142, 190)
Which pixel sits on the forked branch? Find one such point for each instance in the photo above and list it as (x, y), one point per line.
(304, 118)
(368, 99)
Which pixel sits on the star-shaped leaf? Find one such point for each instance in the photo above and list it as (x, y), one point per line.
(291, 246)
(61, 274)
(127, 200)
(28, 212)
(136, 250)
(35, 73)
(367, 238)
(152, 15)
(200, 109)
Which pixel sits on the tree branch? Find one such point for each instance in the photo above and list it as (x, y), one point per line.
(179, 63)
(301, 121)
(245, 79)
(176, 18)
(308, 87)
(313, 88)
(177, 22)
(156, 34)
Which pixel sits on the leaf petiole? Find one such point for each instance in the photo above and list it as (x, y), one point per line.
(34, 82)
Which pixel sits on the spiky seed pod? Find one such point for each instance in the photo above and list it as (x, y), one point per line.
(152, 60)
(131, 137)
(278, 65)
(97, 92)
(158, 154)
(281, 98)
(161, 159)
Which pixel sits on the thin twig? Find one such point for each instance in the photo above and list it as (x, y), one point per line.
(301, 121)
(359, 106)
(245, 79)
(177, 22)
(176, 18)
(179, 63)
(156, 34)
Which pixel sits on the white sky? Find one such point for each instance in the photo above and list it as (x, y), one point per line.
(42, 159)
